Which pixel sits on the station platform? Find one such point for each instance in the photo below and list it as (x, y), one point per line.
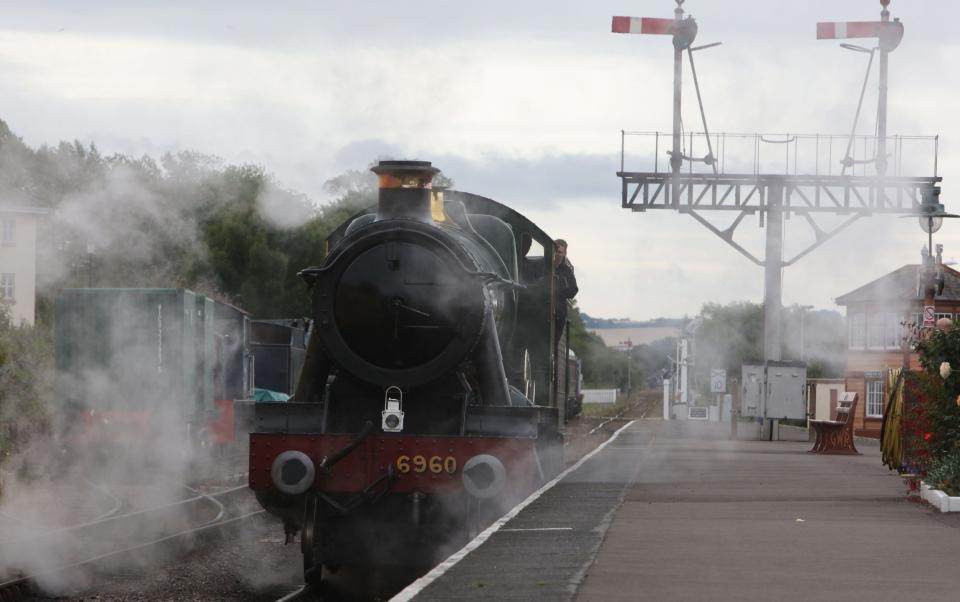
(677, 511)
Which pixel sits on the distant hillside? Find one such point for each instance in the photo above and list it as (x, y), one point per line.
(591, 323)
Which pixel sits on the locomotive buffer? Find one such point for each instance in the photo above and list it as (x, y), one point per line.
(778, 176)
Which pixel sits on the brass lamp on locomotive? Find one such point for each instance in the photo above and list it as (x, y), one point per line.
(426, 405)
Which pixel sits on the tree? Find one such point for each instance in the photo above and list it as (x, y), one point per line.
(26, 380)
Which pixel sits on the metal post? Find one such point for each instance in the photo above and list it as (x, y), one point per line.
(676, 159)
(629, 344)
(772, 268)
(802, 313)
(666, 399)
(882, 97)
(684, 372)
(566, 372)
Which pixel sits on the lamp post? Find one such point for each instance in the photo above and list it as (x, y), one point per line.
(803, 313)
(930, 215)
(91, 249)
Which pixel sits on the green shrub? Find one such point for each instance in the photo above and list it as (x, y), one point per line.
(943, 473)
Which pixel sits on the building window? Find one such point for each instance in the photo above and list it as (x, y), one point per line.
(7, 286)
(943, 315)
(874, 399)
(892, 331)
(858, 333)
(875, 331)
(8, 232)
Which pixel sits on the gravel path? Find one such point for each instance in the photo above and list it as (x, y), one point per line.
(251, 565)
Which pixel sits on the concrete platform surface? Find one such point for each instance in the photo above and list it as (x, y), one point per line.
(675, 511)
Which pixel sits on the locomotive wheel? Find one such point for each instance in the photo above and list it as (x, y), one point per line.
(309, 542)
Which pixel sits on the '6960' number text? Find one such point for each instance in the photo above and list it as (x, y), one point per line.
(421, 464)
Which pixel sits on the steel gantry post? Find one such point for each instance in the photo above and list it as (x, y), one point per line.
(773, 270)
(676, 156)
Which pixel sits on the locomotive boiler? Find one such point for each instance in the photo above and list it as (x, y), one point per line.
(427, 404)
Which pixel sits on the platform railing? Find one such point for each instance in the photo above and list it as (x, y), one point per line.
(780, 154)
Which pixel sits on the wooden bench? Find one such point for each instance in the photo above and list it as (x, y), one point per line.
(836, 436)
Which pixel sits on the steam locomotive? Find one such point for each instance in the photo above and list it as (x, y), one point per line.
(429, 398)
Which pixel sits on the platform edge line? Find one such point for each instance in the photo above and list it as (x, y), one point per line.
(420, 584)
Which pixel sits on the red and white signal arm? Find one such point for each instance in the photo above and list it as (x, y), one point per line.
(684, 31)
(929, 316)
(648, 25)
(889, 33)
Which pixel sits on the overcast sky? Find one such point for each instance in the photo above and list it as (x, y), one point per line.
(520, 101)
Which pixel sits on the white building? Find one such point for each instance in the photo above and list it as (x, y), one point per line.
(18, 260)
(637, 335)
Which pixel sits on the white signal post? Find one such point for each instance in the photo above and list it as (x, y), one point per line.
(684, 32)
(888, 34)
(774, 196)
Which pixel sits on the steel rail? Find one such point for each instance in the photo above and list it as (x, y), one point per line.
(26, 583)
(297, 594)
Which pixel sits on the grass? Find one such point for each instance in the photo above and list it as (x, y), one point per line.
(649, 398)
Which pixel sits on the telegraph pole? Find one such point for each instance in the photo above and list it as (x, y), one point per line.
(629, 345)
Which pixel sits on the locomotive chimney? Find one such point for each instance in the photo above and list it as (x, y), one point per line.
(405, 189)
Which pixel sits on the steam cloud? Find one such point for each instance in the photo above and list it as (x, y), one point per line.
(118, 218)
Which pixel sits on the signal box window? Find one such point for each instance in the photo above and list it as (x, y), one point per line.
(8, 232)
(892, 331)
(874, 399)
(858, 331)
(875, 332)
(7, 286)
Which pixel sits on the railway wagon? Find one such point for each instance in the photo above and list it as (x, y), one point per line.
(134, 366)
(278, 348)
(428, 402)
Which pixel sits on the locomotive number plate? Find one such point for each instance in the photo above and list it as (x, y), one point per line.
(421, 464)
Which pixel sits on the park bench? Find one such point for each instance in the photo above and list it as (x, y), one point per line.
(836, 436)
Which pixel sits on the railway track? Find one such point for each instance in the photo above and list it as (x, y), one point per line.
(198, 516)
(303, 593)
(96, 544)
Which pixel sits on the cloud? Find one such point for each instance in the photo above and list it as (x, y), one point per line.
(520, 102)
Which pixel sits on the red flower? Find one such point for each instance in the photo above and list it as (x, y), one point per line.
(927, 436)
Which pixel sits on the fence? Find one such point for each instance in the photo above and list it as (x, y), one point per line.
(600, 395)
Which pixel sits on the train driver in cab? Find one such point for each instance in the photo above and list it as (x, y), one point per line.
(565, 284)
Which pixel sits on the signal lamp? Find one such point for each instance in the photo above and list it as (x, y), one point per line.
(392, 415)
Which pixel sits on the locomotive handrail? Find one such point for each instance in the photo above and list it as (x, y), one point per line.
(491, 278)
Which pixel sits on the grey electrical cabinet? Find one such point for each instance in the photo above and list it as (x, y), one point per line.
(774, 390)
(786, 385)
(751, 390)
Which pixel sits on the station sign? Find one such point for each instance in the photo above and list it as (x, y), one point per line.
(929, 317)
(718, 380)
